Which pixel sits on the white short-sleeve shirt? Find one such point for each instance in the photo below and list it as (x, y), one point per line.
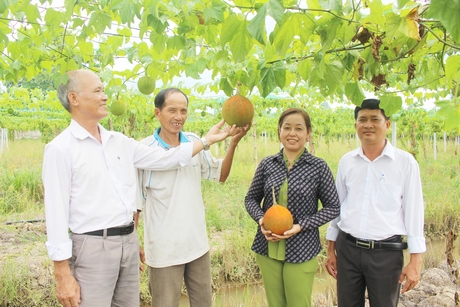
(174, 216)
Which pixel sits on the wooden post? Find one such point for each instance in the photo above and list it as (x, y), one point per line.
(445, 142)
(434, 145)
(3, 139)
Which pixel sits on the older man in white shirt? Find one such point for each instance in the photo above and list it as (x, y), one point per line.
(90, 185)
(381, 200)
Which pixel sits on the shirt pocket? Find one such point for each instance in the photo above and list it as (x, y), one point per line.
(388, 197)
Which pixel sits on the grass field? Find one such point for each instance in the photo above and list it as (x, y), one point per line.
(25, 281)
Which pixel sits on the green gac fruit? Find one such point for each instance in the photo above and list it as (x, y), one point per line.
(118, 108)
(10, 111)
(237, 110)
(146, 85)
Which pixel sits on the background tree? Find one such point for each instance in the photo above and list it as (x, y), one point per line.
(344, 48)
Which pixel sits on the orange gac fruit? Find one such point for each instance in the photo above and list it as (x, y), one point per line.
(237, 110)
(278, 219)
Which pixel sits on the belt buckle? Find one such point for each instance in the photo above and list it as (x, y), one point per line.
(365, 244)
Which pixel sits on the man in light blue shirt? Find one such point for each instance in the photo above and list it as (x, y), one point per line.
(175, 236)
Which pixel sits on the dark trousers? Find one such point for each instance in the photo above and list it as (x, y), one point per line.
(378, 270)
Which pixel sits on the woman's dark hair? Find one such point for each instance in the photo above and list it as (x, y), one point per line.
(371, 104)
(291, 111)
(162, 95)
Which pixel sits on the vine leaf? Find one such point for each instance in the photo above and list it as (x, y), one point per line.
(447, 13)
(391, 104)
(410, 25)
(453, 69)
(354, 93)
(450, 109)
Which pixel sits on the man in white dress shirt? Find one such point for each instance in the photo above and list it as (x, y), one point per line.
(381, 200)
(89, 175)
(175, 236)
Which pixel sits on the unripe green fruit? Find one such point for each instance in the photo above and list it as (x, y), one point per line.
(237, 110)
(146, 85)
(118, 108)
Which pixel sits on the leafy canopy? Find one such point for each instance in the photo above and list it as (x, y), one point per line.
(344, 49)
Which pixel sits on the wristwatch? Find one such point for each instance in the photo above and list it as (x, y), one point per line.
(205, 143)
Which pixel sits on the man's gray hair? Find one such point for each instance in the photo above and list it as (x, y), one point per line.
(63, 90)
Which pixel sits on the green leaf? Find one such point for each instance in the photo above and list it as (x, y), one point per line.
(448, 13)
(69, 5)
(225, 86)
(32, 13)
(235, 32)
(257, 25)
(126, 9)
(391, 104)
(54, 18)
(216, 11)
(156, 24)
(4, 4)
(158, 42)
(450, 110)
(304, 69)
(176, 42)
(354, 93)
(280, 76)
(453, 69)
(270, 78)
(275, 9)
(328, 30)
(229, 28)
(333, 5)
(402, 3)
(3, 37)
(100, 21)
(284, 36)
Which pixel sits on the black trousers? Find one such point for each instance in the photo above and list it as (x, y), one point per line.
(378, 270)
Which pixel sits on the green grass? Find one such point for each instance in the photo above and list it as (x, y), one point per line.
(230, 228)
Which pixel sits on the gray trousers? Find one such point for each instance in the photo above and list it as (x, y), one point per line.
(107, 269)
(378, 270)
(166, 283)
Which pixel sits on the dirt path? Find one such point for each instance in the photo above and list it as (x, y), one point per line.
(25, 269)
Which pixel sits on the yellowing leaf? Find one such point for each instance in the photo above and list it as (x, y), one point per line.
(410, 26)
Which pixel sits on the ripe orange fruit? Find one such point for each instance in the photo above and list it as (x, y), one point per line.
(278, 219)
(237, 110)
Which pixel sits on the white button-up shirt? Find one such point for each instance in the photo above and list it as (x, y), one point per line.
(91, 185)
(174, 214)
(380, 198)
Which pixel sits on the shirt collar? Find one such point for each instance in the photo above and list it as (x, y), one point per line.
(81, 133)
(303, 156)
(182, 138)
(388, 150)
(296, 158)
